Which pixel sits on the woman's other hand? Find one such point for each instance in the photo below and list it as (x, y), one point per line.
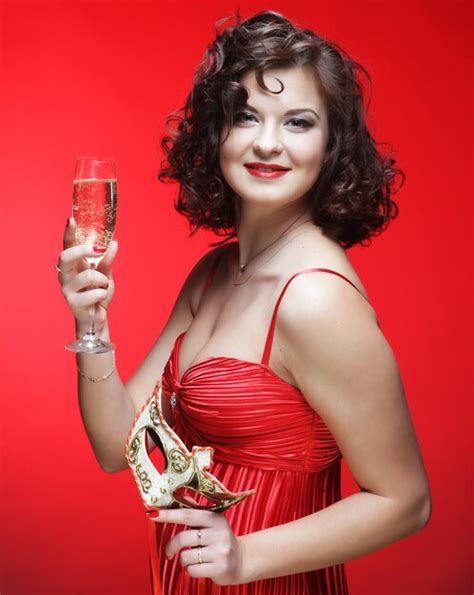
(222, 552)
(82, 286)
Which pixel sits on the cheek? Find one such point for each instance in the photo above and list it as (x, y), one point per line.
(237, 143)
(228, 158)
(225, 162)
(226, 152)
(309, 153)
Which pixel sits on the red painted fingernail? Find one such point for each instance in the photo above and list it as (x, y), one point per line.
(152, 514)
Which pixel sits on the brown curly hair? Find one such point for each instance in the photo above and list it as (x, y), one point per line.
(350, 200)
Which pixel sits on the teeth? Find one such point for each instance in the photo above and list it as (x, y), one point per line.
(267, 169)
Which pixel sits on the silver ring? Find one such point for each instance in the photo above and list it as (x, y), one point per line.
(199, 534)
(199, 554)
(56, 266)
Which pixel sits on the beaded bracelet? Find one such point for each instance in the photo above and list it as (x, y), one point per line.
(98, 378)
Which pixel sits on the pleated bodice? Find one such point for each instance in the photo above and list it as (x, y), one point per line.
(248, 414)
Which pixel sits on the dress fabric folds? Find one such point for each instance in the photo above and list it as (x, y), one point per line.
(265, 436)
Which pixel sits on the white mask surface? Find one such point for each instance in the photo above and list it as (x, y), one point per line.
(183, 469)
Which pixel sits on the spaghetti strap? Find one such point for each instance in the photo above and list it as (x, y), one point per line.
(271, 330)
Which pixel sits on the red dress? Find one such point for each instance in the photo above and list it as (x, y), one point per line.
(265, 436)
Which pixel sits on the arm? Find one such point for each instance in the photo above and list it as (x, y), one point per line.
(108, 407)
(346, 370)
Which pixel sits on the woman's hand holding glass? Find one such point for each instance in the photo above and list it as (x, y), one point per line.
(82, 286)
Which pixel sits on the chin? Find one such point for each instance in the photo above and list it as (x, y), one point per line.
(270, 202)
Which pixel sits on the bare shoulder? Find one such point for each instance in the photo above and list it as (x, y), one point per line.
(326, 290)
(320, 278)
(324, 311)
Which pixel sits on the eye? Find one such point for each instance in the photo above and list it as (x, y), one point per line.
(243, 117)
(300, 123)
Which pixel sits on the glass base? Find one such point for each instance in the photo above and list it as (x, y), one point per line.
(90, 344)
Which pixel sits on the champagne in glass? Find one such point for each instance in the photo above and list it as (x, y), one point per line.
(94, 208)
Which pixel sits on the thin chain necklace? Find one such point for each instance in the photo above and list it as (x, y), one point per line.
(243, 267)
(289, 239)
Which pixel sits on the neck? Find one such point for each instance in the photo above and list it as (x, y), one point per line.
(258, 228)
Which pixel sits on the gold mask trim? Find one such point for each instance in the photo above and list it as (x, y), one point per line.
(182, 468)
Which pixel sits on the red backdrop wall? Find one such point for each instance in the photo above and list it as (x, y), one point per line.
(99, 78)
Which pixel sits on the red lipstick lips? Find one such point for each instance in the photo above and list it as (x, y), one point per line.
(266, 170)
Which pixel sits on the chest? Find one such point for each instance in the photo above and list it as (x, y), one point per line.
(233, 322)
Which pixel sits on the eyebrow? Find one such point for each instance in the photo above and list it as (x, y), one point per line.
(290, 112)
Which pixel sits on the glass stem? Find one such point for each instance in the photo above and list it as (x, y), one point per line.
(91, 331)
(91, 336)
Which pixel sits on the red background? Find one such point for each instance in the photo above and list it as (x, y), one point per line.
(99, 78)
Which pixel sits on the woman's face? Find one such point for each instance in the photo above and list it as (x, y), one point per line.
(288, 130)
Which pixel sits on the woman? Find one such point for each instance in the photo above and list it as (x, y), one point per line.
(272, 354)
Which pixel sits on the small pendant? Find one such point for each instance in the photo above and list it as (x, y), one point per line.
(242, 267)
(173, 400)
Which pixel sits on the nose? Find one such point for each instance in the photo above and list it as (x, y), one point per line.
(267, 140)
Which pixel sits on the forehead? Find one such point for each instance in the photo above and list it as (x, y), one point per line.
(302, 88)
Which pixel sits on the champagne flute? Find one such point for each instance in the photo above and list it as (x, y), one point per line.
(94, 208)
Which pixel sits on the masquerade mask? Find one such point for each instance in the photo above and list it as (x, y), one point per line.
(182, 469)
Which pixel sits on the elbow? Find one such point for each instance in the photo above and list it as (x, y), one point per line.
(109, 468)
(112, 466)
(413, 512)
(425, 514)
(422, 511)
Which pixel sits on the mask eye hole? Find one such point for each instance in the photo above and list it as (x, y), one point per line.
(156, 455)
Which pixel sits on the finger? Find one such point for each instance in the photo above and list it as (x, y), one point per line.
(69, 233)
(187, 516)
(88, 279)
(203, 570)
(186, 539)
(191, 556)
(86, 299)
(71, 256)
(105, 265)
